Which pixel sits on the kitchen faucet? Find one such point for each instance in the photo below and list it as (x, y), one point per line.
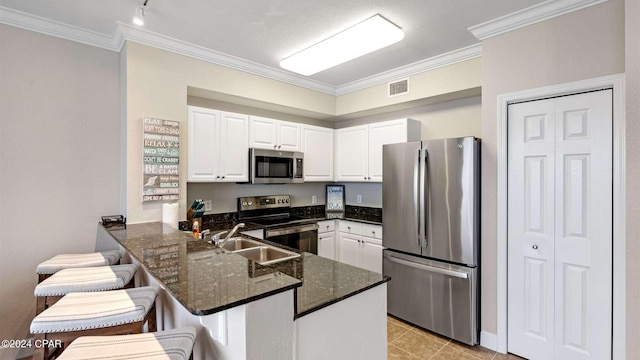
(215, 239)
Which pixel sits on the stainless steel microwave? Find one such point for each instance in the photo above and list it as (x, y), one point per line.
(275, 166)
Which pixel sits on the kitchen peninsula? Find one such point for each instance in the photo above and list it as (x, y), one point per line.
(306, 308)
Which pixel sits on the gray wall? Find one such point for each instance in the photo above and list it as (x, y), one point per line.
(581, 45)
(59, 159)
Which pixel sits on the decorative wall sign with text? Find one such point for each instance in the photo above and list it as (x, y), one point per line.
(335, 198)
(161, 156)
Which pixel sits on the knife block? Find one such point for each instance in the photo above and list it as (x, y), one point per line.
(190, 218)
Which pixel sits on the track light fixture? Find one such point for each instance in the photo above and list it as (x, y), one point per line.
(138, 18)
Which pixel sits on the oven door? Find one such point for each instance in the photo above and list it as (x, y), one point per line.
(303, 237)
(275, 167)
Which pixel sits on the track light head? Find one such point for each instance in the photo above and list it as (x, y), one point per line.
(138, 17)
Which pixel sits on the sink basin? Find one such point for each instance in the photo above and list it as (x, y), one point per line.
(265, 255)
(238, 243)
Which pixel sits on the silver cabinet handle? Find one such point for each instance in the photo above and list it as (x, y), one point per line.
(535, 247)
(437, 270)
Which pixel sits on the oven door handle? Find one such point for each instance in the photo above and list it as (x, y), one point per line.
(290, 230)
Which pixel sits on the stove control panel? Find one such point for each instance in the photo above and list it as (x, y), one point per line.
(263, 202)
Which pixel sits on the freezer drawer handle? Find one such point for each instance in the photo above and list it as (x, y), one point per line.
(432, 269)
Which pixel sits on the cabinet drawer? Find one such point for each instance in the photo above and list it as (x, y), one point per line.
(372, 231)
(326, 226)
(350, 227)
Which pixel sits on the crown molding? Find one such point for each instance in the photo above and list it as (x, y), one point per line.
(452, 57)
(124, 32)
(531, 15)
(54, 28)
(145, 37)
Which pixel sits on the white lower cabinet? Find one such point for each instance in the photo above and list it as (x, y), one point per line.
(358, 250)
(327, 239)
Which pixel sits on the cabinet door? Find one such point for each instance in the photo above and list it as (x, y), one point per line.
(350, 249)
(202, 159)
(317, 146)
(326, 245)
(372, 255)
(351, 154)
(388, 132)
(288, 136)
(263, 132)
(234, 147)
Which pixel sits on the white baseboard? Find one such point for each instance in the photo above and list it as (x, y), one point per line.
(489, 340)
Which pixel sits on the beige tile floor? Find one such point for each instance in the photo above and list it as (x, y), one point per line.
(407, 342)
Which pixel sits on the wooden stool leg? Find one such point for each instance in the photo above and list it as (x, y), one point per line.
(39, 353)
(152, 322)
(41, 302)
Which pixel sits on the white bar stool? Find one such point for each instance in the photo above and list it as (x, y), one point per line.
(99, 278)
(176, 344)
(65, 261)
(115, 312)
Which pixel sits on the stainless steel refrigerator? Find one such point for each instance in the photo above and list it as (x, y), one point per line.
(430, 214)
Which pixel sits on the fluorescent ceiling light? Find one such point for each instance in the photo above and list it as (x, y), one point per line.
(372, 34)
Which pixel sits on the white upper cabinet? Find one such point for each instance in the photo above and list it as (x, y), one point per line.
(265, 133)
(358, 153)
(218, 146)
(202, 162)
(234, 147)
(317, 146)
(352, 153)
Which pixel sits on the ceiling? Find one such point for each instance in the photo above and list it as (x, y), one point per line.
(265, 31)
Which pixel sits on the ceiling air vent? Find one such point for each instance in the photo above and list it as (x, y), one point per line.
(400, 87)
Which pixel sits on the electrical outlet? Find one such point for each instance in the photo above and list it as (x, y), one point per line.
(314, 199)
(359, 199)
(207, 205)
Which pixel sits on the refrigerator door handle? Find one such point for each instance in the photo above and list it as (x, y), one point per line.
(421, 234)
(424, 198)
(416, 194)
(437, 270)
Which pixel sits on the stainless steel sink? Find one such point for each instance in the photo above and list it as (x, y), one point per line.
(239, 243)
(265, 255)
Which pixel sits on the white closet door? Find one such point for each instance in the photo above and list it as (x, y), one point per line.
(560, 228)
(531, 229)
(583, 232)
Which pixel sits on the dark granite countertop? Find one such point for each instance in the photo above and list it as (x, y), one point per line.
(327, 282)
(206, 280)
